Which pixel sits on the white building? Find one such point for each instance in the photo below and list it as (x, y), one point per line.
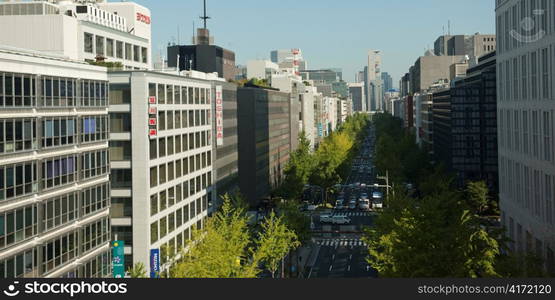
(161, 143)
(80, 30)
(525, 108)
(289, 58)
(54, 167)
(375, 83)
(261, 69)
(309, 99)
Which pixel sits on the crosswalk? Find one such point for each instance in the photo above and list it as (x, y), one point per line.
(353, 213)
(340, 243)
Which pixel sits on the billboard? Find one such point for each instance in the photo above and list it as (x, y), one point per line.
(118, 259)
(154, 263)
(219, 116)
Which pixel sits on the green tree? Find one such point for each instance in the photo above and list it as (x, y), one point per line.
(137, 271)
(298, 170)
(436, 236)
(477, 196)
(221, 249)
(297, 221)
(274, 242)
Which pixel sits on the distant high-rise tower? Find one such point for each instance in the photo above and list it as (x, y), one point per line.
(387, 82)
(374, 81)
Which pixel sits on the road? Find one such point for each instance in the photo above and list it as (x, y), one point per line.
(341, 252)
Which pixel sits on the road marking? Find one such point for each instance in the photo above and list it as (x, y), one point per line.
(349, 268)
(333, 257)
(331, 266)
(350, 257)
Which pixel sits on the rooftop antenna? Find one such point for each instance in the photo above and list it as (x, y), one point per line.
(178, 41)
(448, 27)
(205, 17)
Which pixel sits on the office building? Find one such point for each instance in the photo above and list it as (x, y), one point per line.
(261, 69)
(323, 76)
(472, 45)
(84, 31)
(226, 167)
(307, 114)
(162, 158)
(374, 81)
(525, 128)
(387, 82)
(264, 140)
(356, 91)
(293, 58)
(429, 69)
(294, 86)
(204, 58)
(54, 167)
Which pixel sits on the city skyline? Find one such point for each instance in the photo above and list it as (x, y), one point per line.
(318, 35)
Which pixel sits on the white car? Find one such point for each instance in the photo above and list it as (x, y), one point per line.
(326, 218)
(364, 204)
(340, 219)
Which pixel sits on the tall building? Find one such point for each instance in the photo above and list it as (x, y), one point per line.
(374, 81)
(293, 57)
(472, 45)
(162, 158)
(264, 140)
(387, 82)
(226, 167)
(294, 86)
(85, 31)
(307, 114)
(323, 76)
(525, 109)
(356, 91)
(429, 69)
(54, 167)
(261, 69)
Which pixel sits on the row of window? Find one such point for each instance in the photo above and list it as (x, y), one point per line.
(174, 94)
(172, 170)
(174, 195)
(527, 132)
(30, 90)
(527, 77)
(167, 146)
(18, 135)
(173, 221)
(112, 48)
(21, 179)
(21, 224)
(168, 120)
(532, 190)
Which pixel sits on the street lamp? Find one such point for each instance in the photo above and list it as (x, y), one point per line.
(387, 186)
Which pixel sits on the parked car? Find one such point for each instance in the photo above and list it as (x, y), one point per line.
(339, 204)
(312, 207)
(377, 203)
(326, 218)
(352, 204)
(364, 204)
(340, 219)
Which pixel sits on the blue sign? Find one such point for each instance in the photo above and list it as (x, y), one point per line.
(320, 130)
(154, 263)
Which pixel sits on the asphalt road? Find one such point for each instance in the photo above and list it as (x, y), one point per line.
(341, 252)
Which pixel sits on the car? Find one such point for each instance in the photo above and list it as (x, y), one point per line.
(338, 204)
(312, 207)
(377, 203)
(352, 204)
(340, 219)
(326, 218)
(377, 195)
(364, 196)
(364, 204)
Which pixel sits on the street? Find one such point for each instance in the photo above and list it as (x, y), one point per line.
(340, 251)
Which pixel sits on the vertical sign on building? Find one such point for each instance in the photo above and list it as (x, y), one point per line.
(118, 263)
(219, 116)
(154, 263)
(152, 117)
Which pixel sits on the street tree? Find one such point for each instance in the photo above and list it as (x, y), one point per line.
(274, 241)
(137, 271)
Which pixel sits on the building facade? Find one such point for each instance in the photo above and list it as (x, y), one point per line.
(356, 90)
(54, 167)
(525, 107)
(161, 140)
(264, 140)
(107, 31)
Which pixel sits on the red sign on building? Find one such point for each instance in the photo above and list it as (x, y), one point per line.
(152, 110)
(143, 18)
(152, 132)
(151, 100)
(152, 121)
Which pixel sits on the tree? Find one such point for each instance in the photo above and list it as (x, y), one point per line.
(274, 242)
(298, 170)
(297, 221)
(137, 271)
(477, 196)
(221, 249)
(436, 236)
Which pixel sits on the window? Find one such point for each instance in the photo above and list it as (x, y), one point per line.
(58, 171)
(144, 55)
(136, 53)
(57, 252)
(121, 178)
(170, 146)
(17, 225)
(535, 134)
(154, 232)
(95, 234)
(161, 94)
(153, 148)
(121, 150)
(121, 208)
(170, 119)
(153, 177)
(88, 42)
(119, 49)
(94, 199)
(161, 120)
(128, 49)
(100, 45)
(94, 128)
(120, 94)
(59, 211)
(547, 135)
(525, 140)
(95, 163)
(94, 93)
(162, 173)
(163, 200)
(110, 47)
(18, 180)
(17, 135)
(534, 75)
(119, 122)
(545, 73)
